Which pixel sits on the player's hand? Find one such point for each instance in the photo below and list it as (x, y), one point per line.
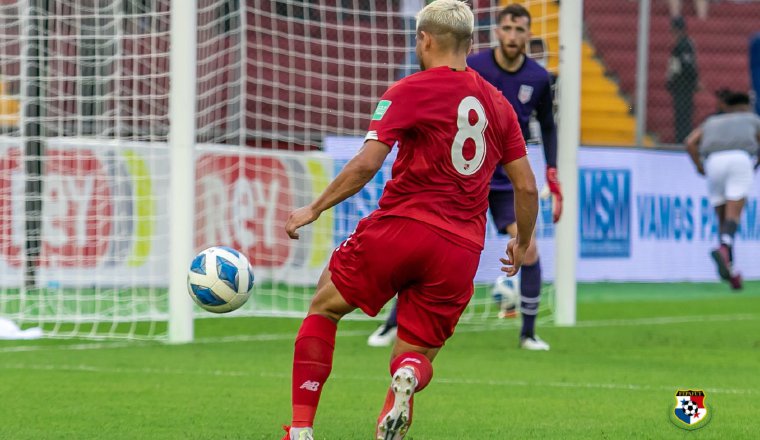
(300, 217)
(556, 190)
(701, 169)
(515, 257)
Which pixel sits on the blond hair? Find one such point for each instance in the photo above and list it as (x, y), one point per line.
(449, 21)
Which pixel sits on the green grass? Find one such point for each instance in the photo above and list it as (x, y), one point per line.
(612, 376)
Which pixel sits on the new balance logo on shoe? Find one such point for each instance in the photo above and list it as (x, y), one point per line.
(311, 385)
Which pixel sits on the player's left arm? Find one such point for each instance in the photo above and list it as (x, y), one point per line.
(526, 211)
(692, 147)
(357, 172)
(545, 116)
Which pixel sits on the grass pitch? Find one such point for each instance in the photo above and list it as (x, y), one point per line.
(614, 375)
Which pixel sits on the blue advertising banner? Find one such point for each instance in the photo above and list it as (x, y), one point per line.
(643, 216)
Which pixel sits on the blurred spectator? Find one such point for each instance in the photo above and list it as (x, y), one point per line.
(676, 6)
(682, 78)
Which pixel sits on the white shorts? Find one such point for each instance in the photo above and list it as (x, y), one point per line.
(729, 175)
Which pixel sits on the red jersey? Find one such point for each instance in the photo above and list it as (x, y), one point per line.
(452, 129)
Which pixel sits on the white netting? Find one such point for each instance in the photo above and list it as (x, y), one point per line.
(84, 181)
(317, 70)
(84, 98)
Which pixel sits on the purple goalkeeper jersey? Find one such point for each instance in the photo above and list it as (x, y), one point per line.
(528, 89)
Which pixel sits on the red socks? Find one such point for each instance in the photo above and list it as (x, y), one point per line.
(423, 369)
(312, 362)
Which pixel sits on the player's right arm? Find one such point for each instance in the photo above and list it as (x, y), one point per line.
(357, 172)
(392, 117)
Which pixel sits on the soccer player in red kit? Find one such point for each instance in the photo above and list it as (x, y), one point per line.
(452, 129)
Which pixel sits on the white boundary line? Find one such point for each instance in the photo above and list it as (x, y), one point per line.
(662, 320)
(442, 380)
(463, 328)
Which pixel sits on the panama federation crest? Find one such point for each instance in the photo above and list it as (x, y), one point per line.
(691, 411)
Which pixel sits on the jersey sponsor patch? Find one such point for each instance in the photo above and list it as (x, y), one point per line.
(382, 107)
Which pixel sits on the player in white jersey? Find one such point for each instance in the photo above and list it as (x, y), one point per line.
(725, 150)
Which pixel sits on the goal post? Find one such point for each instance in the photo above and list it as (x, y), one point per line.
(570, 35)
(164, 130)
(182, 128)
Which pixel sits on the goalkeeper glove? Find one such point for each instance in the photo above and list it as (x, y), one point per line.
(556, 190)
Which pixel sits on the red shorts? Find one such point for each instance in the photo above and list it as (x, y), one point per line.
(432, 275)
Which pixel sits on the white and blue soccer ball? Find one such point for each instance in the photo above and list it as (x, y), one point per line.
(506, 293)
(220, 279)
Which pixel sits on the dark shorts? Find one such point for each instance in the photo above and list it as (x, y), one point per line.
(432, 275)
(502, 205)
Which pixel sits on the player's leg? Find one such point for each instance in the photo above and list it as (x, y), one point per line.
(385, 334)
(355, 277)
(720, 213)
(733, 211)
(728, 230)
(732, 172)
(716, 173)
(313, 354)
(438, 277)
(738, 186)
(720, 254)
(411, 370)
(501, 204)
(530, 295)
(740, 173)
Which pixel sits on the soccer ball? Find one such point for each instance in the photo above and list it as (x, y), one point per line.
(690, 409)
(506, 293)
(220, 279)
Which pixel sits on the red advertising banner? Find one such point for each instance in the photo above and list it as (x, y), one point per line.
(243, 202)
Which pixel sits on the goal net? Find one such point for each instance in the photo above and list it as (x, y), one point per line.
(284, 90)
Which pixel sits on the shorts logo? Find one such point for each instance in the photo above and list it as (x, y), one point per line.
(382, 107)
(525, 93)
(605, 213)
(690, 411)
(311, 385)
